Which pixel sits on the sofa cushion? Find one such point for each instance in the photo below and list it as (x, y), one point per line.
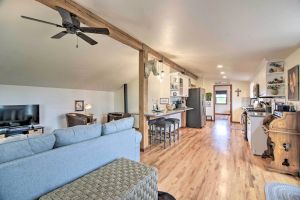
(31, 177)
(41, 143)
(14, 148)
(117, 126)
(76, 134)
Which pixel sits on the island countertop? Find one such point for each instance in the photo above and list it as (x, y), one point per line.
(258, 114)
(166, 113)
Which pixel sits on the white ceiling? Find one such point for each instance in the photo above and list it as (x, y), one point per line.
(197, 34)
(200, 34)
(28, 56)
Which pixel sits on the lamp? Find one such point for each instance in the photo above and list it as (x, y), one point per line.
(87, 107)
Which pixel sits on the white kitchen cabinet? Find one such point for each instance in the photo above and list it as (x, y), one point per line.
(255, 133)
(179, 85)
(185, 92)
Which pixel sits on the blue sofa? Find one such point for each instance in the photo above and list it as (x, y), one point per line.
(35, 165)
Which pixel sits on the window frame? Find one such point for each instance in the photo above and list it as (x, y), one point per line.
(221, 92)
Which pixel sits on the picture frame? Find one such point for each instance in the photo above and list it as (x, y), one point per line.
(79, 105)
(293, 83)
(164, 101)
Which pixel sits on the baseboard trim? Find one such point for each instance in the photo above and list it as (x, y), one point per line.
(145, 149)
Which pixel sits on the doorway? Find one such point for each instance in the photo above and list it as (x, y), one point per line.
(223, 102)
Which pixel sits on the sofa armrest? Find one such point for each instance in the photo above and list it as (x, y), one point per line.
(138, 139)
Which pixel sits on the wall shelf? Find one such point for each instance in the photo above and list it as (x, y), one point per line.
(278, 69)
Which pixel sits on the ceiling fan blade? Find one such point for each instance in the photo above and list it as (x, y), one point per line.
(86, 38)
(103, 31)
(41, 21)
(59, 35)
(65, 15)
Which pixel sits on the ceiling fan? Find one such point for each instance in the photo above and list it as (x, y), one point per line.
(72, 25)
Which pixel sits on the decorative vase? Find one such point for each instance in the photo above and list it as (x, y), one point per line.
(274, 91)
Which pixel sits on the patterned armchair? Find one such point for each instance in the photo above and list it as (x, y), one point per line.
(117, 116)
(74, 119)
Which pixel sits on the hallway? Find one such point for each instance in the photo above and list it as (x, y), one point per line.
(212, 163)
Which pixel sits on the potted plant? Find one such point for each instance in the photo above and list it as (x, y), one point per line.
(274, 89)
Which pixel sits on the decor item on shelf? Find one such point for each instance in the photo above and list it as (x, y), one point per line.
(274, 89)
(276, 67)
(276, 80)
(164, 100)
(293, 83)
(169, 107)
(71, 23)
(238, 92)
(79, 105)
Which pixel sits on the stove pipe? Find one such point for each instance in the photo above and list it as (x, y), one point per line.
(125, 99)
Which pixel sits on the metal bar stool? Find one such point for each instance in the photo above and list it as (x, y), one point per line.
(164, 128)
(175, 122)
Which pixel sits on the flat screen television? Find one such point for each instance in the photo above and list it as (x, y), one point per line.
(19, 115)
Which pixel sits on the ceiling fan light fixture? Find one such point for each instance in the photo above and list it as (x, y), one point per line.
(71, 24)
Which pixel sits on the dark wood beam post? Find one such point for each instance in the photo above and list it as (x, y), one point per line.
(143, 98)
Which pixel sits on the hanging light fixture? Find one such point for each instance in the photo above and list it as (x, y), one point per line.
(162, 73)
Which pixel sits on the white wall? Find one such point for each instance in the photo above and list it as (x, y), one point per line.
(119, 100)
(56, 102)
(237, 102)
(261, 79)
(220, 108)
(133, 100)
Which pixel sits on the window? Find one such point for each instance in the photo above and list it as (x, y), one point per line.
(221, 97)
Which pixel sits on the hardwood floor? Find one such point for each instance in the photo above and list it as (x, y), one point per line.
(212, 163)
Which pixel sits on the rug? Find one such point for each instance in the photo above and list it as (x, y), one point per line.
(165, 196)
(279, 191)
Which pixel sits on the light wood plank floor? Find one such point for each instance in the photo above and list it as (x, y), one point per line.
(212, 163)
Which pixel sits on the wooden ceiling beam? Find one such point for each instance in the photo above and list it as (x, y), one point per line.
(90, 19)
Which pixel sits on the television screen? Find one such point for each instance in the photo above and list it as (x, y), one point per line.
(19, 115)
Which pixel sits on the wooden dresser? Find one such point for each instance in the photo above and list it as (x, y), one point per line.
(283, 130)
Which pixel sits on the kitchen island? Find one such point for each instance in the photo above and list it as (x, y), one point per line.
(179, 113)
(166, 113)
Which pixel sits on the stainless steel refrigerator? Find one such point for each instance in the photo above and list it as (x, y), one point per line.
(196, 118)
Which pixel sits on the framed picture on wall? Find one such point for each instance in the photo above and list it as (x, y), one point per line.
(79, 105)
(293, 83)
(164, 100)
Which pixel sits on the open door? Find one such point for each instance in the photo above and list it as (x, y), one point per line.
(223, 102)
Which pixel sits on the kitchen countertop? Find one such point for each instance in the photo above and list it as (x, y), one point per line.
(165, 113)
(258, 114)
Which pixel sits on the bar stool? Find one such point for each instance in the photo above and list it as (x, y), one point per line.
(175, 122)
(164, 128)
(152, 129)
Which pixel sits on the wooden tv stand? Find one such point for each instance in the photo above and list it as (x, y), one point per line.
(10, 131)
